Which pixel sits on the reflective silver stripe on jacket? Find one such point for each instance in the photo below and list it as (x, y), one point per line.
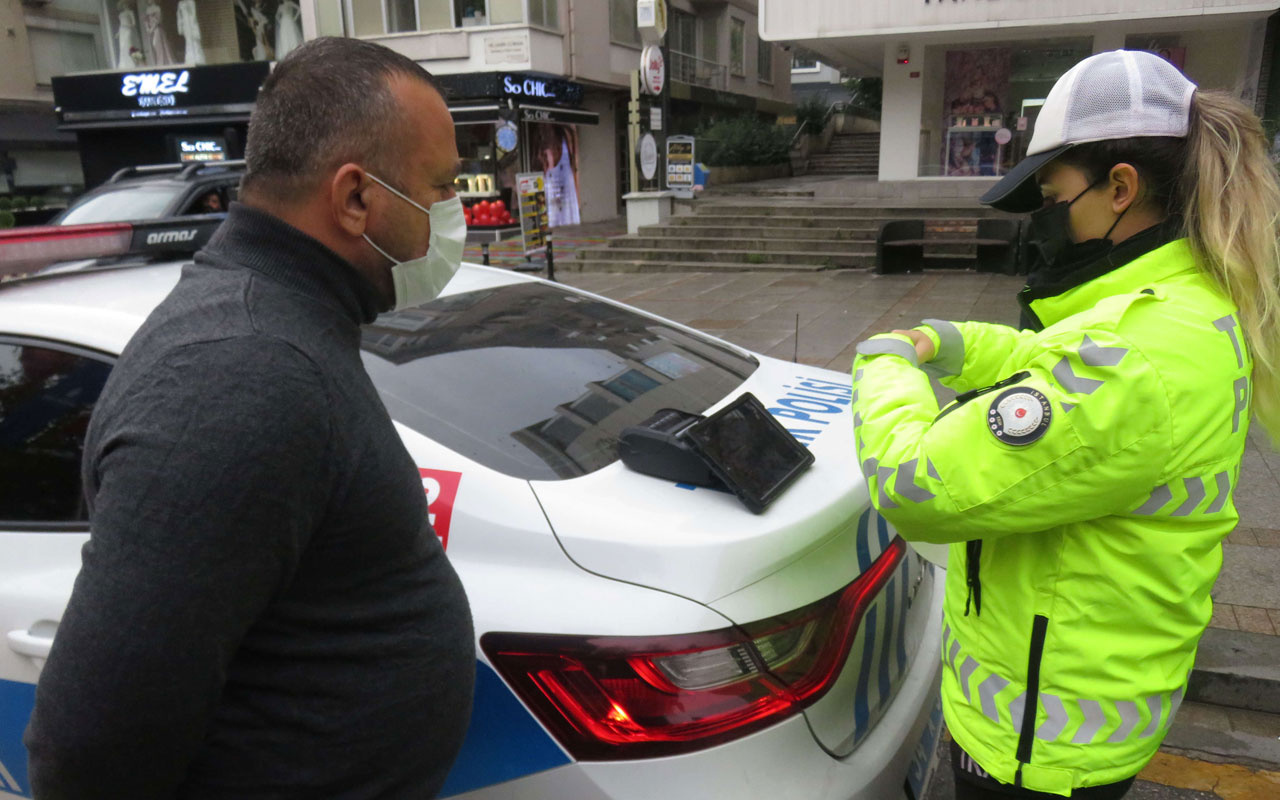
(1191, 491)
(1077, 720)
(897, 347)
(949, 360)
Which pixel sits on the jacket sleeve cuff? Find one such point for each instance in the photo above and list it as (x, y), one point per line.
(948, 348)
(888, 344)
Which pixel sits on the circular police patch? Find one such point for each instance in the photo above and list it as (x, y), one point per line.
(1019, 415)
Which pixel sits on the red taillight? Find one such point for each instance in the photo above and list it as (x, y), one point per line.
(620, 697)
(29, 249)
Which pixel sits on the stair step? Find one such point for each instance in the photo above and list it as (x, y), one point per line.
(843, 232)
(744, 258)
(765, 246)
(579, 264)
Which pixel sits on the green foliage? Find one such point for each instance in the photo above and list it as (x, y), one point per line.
(7, 220)
(811, 114)
(20, 202)
(867, 94)
(743, 142)
(6, 203)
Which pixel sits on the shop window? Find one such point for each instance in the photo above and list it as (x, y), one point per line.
(58, 52)
(764, 60)
(737, 46)
(402, 16)
(435, 15)
(471, 13)
(804, 61)
(506, 12)
(156, 33)
(329, 21)
(990, 99)
(46, 397)
(545, 13)
(623, 28)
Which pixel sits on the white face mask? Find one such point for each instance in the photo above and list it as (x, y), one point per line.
(421, 280)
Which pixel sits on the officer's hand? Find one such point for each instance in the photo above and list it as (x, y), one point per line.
(924, 345)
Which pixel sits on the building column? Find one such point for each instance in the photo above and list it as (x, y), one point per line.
(900, 113)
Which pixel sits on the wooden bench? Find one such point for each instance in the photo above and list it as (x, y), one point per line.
(901, 243)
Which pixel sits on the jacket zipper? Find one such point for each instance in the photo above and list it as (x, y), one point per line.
(1039, 627)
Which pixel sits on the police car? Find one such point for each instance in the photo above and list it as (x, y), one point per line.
(636, 637)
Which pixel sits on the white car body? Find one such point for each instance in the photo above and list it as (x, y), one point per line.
(610, 553)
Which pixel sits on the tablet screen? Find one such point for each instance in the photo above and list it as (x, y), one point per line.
(750, 450)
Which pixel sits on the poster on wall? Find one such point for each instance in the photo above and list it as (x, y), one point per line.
(974, 95)
(554, 150)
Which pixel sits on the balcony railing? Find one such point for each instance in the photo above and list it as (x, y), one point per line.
(698, 72)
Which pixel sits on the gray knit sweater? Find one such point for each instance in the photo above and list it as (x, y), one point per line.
(263, 609)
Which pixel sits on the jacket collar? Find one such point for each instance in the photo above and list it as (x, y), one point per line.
(1145, 271)
(265, 244)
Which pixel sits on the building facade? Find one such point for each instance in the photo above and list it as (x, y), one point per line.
(490, 54)
(963, 81)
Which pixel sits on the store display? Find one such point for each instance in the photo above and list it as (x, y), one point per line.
(487, 214)
(153, 22)
(189, 30)
(128, 50)
(288, 28)
(534, 225)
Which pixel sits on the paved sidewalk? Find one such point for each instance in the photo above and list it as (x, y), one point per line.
(1239, 661)
(567, 239)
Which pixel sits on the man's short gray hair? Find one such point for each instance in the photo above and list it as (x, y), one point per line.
(329, 102)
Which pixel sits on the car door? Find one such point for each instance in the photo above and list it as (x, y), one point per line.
(47, 392)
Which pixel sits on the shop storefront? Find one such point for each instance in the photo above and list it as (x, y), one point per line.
(161, 33)
(511, 123)
(159, 116)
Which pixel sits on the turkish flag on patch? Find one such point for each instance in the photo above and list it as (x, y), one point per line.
(441, 487)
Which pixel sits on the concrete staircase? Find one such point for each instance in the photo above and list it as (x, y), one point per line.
(849, 154)
(782, 235)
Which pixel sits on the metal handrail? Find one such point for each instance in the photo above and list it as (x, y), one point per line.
(799, 130)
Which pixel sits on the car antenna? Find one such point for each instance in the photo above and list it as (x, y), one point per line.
(795, 354)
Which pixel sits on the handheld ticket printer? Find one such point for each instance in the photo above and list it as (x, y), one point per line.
(741, 448)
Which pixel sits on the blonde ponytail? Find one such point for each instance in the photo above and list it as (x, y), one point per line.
(1231, 207)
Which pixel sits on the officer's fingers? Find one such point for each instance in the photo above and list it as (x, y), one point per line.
(923, 344)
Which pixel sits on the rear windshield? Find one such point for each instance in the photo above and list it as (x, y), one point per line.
(536, 381)
(137, 202)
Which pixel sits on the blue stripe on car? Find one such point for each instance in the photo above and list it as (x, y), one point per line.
(16, 702)
(504, 741)
(861, 709)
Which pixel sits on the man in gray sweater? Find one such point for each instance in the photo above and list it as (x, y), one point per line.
(263, 609)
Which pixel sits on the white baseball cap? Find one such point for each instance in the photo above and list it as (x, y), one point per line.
(1120, 94)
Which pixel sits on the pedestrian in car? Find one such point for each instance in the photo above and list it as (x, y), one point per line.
(1083, 476)
(263, 609)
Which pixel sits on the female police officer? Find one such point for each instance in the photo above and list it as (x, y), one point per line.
(1084, 474)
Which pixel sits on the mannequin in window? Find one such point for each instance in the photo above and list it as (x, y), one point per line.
(153, 21)
(189, 29)
(259, 21)
(288, 28)
(127, 37)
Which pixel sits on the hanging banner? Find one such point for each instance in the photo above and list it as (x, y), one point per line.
(531, 189)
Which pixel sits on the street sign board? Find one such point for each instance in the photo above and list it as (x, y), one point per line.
(531, 189)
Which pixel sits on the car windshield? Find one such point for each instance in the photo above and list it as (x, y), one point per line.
(128, 203)
(537, 382)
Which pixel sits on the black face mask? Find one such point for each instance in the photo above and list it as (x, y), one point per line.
(1049, 235)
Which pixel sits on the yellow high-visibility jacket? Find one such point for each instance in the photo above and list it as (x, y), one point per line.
(1083, 478)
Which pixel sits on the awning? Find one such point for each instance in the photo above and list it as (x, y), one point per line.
(478, 114)
(472, 115)
(576, 116)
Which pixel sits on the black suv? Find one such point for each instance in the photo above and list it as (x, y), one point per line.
(162, 191)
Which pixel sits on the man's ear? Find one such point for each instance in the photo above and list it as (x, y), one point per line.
(1125, 187)
(347, 201)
